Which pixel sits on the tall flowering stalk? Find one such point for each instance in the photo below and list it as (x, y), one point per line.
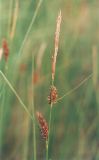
(52, 98)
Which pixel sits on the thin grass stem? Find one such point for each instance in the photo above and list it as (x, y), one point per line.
(1, 119)
(12, 28)
(10, 16)
(30, 26)
(0, 20)
(2, 111)
(33, 113)
(95, 84)
(47, 141)
(75, 88)
(16, 94)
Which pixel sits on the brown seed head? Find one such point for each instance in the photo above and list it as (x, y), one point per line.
(52, 98)
(5, 49)
(43, 125)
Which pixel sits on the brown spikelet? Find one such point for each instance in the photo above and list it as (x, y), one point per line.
(5, 49)
(22, 67)
(43, 125)
(56, 44)
(35, 77)
(52, 98)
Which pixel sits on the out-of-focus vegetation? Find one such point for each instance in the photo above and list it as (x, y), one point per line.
(75, 119)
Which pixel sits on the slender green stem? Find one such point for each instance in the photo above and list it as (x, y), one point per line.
(2, 112)
(30, 26)
(13, 90)
(75, 88)
(34, 125)
(10, 14)
(2, 118)
(0, 20)
(47, 141)
(46, 149)
(49, 127)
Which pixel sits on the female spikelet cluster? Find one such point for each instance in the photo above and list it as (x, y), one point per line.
(43, 125)
(52, 98)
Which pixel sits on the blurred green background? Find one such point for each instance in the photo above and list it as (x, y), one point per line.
(75, 119)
